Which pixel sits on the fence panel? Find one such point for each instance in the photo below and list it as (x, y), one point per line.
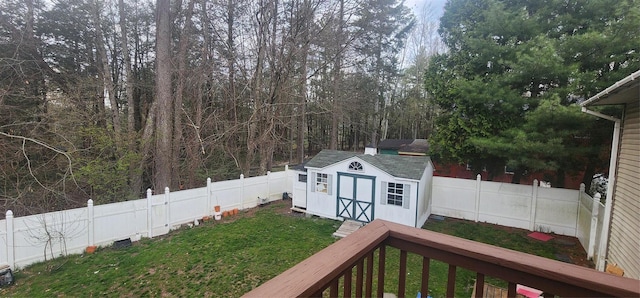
(583, 223)
(119, 221)
(53, 234)
(159, 214)
(188, 205)
(557, 210)
(505, 204)
(453, 197)
(279, 183)
(513, 205)
(227, 194)
(254, 188)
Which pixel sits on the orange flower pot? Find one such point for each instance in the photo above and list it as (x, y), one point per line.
(225, 214)
(91, 249)
(235, 211)
(216, 208)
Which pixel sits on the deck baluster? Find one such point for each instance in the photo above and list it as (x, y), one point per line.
(333, 289)
(369, 283)
(511, 290)
(424, 288)
(479, 285)
(359, 278)
(347, 282)
(382, 256)
(402, 274)
(451, 281)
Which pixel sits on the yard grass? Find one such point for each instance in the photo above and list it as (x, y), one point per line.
(210, 260)
(229, 258)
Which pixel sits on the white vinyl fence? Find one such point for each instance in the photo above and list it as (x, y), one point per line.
(521, 206)
(29, 239)
(590, 219)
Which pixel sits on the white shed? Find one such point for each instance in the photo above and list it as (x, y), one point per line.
(363, 187)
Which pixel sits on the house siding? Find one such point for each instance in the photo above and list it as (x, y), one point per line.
(625, 220)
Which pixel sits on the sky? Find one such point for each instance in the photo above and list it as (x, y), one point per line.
(416, 5)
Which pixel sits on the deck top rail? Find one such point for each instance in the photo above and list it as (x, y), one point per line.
(320, 271)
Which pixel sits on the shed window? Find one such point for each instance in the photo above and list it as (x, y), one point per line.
(302, 178)
(396, 194)
(355, 166)
(321, 182)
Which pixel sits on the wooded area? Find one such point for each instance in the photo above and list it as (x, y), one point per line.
(102, 99)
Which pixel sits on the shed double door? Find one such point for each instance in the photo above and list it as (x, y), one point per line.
(355, 197)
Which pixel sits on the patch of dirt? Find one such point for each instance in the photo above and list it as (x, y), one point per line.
(571, 247)
(278, 207)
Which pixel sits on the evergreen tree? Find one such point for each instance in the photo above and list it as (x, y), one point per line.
(515, 70)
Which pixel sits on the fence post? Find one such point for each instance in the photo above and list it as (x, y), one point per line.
(90, 223)
(534, 206)
(241, 191)
(209, 211)
(149, 213)
(10, 245)
(268, 185)
(167, 206)
(286, 180)
(478, 181)
(593, 232)
(581, 193)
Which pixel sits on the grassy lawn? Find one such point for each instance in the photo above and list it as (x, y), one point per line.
(210, 260)
(229, 258)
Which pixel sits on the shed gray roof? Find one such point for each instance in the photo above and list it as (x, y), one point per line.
(410, 167)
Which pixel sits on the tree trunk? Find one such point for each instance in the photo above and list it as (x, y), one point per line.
(587, 177)
(163, 135)
(135, 178)
(517, 176)
(107, 79)
(180, 91)
(337, 80)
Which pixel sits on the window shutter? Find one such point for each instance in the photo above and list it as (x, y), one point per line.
(329, 184)
(383, 193)
(406, 196)
(313, 182)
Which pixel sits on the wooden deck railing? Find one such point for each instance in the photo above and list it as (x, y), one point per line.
(331, 271)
